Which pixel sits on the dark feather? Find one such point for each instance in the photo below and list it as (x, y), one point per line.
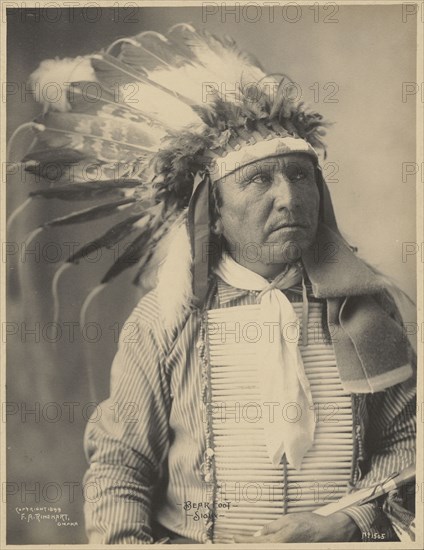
(87, 97)
(131, 256)
(56, 164)
(112, 72)
(57, 172)
(60, 156)
(86, 191)
(225, 115)
(91, 97)
(89, 214)
(309, 125)
(114, 235)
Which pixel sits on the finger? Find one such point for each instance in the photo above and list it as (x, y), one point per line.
(272, 527)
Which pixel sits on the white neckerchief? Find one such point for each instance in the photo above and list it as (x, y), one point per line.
(284, 381)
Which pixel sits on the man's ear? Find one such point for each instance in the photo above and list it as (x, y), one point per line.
(217, 227)
(215, 202)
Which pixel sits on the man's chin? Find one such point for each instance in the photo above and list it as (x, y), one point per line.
(286, 253)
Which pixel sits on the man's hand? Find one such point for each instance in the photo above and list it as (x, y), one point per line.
(307, 527)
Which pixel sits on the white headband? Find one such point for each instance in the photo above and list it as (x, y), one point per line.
(248, 154)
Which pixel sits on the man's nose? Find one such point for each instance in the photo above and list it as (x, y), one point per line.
(285, 196)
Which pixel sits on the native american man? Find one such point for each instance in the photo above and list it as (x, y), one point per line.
(268, 370)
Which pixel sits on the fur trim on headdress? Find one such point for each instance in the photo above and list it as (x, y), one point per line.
(60, 73)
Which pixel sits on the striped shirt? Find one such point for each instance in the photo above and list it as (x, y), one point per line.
(147, 448)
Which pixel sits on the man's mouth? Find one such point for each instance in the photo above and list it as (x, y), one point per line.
(288, 226)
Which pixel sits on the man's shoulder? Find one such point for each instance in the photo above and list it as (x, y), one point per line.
(145, 325)
(147, 311)
(148, 317)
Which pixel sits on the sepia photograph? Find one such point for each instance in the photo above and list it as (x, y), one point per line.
(212, 273)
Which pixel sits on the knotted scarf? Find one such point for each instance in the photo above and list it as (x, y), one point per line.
(282, 376)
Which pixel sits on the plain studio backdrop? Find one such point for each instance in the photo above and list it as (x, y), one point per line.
(351, 62)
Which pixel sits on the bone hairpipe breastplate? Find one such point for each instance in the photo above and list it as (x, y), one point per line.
(250, 490)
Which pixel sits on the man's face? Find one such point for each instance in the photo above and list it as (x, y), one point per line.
(269, 211)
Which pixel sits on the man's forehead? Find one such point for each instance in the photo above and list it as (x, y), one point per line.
(271, 164)
(279, 161)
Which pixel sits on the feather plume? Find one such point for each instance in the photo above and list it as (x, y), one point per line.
(173, 288)
(146, 276)
(221, 58)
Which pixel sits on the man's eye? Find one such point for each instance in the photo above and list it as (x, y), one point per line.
(295, 173)
(260, 179)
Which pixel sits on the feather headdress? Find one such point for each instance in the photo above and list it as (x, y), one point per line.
(136, 130)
